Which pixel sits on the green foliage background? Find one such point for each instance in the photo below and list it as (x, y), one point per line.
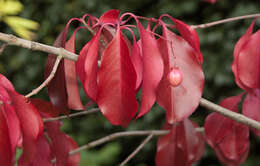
(25, 68)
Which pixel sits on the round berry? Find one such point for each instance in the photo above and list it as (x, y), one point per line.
(175, 77)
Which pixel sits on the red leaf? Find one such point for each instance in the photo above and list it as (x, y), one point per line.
(73, 160)
(57, 87)
(80, 64)
(89, 56)
(7, 155)
(116, 83)
(13, 125)
(11, 117)
(181, 101)
(211, 1)
(43, 154)
(248, 62)
(45, 107)
(152, 69)
(74, 101)
(251, 107)
(191, 36)
(228, 138)
(31, 125)
(182, 146)
(59, 143)
(6, 83)
(238, 47)
(138, 64)
(110, 16)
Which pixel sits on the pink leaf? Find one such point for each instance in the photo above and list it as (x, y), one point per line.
(238, 47)
(152, 69)
(248, 63)
(180, 101)
(182, 146)
(116, 83)
(228, 138)
(251, 107)
(110, 16)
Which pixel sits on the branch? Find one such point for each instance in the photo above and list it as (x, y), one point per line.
(87, 112)
(123, 134)
(226, 112)
(140, 147)
(50, 77)
(13, 40)
(225, 21)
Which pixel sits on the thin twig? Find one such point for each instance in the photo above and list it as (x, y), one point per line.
(87, 112)
(47, 81)
(225, 21)
(140, 147)
(233, 115)
(13, 40)
(123, 134)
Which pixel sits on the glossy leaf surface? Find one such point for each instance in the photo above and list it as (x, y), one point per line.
(180, 101)
(181, 147)
(152, 69)
(228, 138)
(116, 83)
(237, 50)
(251, 107)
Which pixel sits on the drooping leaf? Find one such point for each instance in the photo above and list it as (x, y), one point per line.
(74, 101)
(31, 125)
(59, 144)
(6, 83)
(116, 83)
(190, 35)
(80, 63)
(46, 108)
(251, 107)
(110, 16)
(73, 160)
(7, 155)
(180, 101)
(138, 64)
(152, 69)
(57, 87)
(228, 138)
(248, 62)
(182, 146)
(238, 47)
(90, 67)
(43, 154)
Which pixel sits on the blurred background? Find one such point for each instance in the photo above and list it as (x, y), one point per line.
(25, 67)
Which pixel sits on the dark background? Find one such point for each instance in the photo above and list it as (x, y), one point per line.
(25, 67)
